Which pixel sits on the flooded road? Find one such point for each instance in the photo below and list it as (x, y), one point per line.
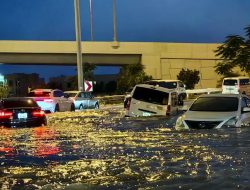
(103, 150)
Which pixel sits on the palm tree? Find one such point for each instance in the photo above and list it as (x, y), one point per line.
(234, 52)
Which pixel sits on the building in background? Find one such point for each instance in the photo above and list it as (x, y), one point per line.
(20, 83)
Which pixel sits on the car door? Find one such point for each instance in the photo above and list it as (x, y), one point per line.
(58, 99)
(91, 100)
(84, 100)
(245, 116)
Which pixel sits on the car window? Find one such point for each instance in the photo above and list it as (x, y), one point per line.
(150, 95)
(216, 104)
(181, 84)
(230, 82)
(70, 94)
(58, 93)
(174, 99)
(170, 85)
(244, 81)
(245, 102)
(18, 103)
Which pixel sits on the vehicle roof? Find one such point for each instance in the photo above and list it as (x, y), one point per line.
(223, 95)
(162, 80)
(156, 87)
(236, 78)
(17, 99)
(73, 91)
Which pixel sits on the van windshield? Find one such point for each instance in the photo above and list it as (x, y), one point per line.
(230, 82)
(170, 85)
(151, 96)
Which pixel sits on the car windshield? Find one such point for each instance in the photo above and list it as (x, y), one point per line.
(18, 103)
(170, 85)
(151, 96)
(230, 82)
(70, 94)
(39, 94)
(216, 104)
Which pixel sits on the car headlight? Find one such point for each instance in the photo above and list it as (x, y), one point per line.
(230, 123)
(179, 125)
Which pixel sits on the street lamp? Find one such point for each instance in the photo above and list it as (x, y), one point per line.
(91, 20)
(78, 44)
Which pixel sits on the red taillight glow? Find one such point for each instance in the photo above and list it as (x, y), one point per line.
(38, 113)
(38, 91)
(5, 114)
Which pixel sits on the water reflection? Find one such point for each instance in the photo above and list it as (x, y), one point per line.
(99, 151)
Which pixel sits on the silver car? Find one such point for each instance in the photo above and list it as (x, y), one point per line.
(83, 100)
(216, 111)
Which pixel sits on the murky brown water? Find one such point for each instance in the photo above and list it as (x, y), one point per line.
(104, 150)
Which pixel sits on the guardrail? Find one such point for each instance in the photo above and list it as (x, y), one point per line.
(202, 91)
(111, 99)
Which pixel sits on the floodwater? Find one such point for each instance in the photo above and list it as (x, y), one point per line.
(103, 150)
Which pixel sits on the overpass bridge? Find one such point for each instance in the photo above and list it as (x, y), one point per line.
(161, 60)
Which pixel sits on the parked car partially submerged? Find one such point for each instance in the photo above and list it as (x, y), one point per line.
(83, 100)
(216, 111)
(52, 100)
(21, 112)
(149, 100)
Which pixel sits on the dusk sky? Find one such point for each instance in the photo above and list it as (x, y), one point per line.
(199, 21)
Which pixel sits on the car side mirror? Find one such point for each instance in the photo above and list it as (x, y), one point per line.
(246, 109)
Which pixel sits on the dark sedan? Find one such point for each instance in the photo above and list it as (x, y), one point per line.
(21, 112)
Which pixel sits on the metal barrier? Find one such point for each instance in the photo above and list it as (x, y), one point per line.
(202, 91)
(115, 99)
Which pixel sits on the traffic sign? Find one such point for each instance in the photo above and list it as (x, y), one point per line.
(88, 86)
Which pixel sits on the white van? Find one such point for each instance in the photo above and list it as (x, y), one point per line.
(236, 85)
(177, 85)
(149, 100)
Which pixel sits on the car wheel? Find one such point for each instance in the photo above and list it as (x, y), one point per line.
(72, 107)
(81, 107)
(96, 106)
(57, 108)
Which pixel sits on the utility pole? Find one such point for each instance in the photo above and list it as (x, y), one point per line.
(91, 20)
(79, 46)
(114, 20)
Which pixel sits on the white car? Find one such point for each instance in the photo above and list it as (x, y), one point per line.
(52, 100)
(216, 111)
(149, 100)
(83, 100)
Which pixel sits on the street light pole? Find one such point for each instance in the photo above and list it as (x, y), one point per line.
(78, 44)
(91, 20)
(114, 20)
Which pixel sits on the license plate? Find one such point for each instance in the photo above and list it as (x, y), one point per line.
(146, 114)
(22, 115)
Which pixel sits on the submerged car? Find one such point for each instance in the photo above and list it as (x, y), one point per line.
(52, 100)
(21, 112)
(149, 100)
(83, 100)
(216, 111)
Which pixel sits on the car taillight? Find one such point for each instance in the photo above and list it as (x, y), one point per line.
(38, 113)
(168, 109)
(5, 114)
(48, 100)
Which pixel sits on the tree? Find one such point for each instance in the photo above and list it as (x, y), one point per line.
(234, 52)
(131, 75)
(4, 91)
(189, 77)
